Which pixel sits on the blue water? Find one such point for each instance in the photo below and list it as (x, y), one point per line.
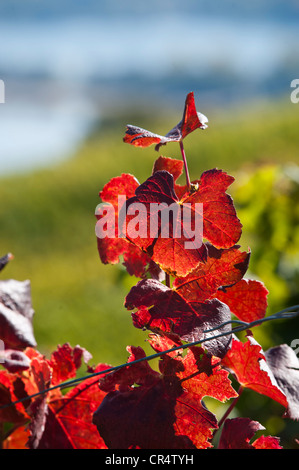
(61, 74)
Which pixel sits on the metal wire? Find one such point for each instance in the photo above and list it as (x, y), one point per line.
(289, 312)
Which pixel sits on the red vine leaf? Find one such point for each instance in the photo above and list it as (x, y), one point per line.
(267, 442)
(161, 231)
(11, 389)
(223, 267)
(160, 308)
(41, 375)
(65, 361)
(55, 420)
(247, 362)
(14, 361)
(199, 372)
(140, 373)
(16, 314)
(69, 421)
(169, 403)
(172, 165)
(191, 121)
(175, 167)
(221, 225)
(247, 299)
(46, 428)
(112, 246)
(172, 230)
(17, 439)
(237, 433)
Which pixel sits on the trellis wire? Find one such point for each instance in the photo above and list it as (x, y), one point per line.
(289, 312)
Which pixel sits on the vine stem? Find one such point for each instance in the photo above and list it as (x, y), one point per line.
(185, 164)
(228, 411)
(167, 280)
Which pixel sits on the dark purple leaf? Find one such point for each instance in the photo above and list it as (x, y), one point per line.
(284, 364)
(16, 314)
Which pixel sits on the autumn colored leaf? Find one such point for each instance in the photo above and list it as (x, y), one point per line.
(140, 373)
(171, 231)
(14, 361)
(141, 416)
(247, 361)
(111, 245)
(55, 420)
(161, 231)
(247, 299)
(221, 226)
(199, 372)
(174, 167)
(41, 374)
(191, 121)
(17, 439)
(237, 433)
(61, 421)
(169, 403)
(69, 420)
(16, 314)
(267, 442)
(144, 418)
(12, 389)
(224, 267)
(65, 362)
(284, 364)
(160, 308)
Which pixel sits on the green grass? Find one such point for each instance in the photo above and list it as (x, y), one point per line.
(47, 219)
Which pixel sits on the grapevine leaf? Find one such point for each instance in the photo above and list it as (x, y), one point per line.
(164, 410)
(163, 235)
(14, 361)
(199, 372)
(247, 299)
(110, 248)
(16, 314)
(247, 361)
(169, 240)
(175, 167)
(65, 361)
(284, 364)
(221, 225)
(223, 267)
(57, 421)
(267, 442)
(191, 121)
(140, 373)
(41, 374)
(237, 433)
(12, 389)
(69, 421)
(172, 165)
(160, 308)
(17, 439)
(143, 418)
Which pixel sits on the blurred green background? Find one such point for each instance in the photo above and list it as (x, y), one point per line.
(47, 211)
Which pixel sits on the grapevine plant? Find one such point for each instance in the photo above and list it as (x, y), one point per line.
(191, 297)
